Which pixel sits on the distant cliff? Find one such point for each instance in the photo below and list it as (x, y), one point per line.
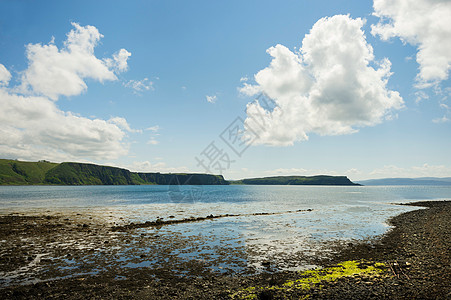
(70, 173)
(297, 180)
(182, 179)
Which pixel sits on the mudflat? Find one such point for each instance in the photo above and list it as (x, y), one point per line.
(74, 256)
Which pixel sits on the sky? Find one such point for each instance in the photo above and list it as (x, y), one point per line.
(238, 88)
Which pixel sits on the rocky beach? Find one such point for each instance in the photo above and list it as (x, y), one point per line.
(75, 256)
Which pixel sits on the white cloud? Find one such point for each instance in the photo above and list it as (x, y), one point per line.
(53, 72)
(153, 128)
(447, 114)
(140, 166)
(249, 89)
(33, 127)
(139, 86)
(153, 141)
(5, 75)
(119, 61)
(423, 23)
(331, 86)
(420, 96)
(211, 99)
(122, 123)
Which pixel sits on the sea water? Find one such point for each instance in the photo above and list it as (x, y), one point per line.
(281, 224)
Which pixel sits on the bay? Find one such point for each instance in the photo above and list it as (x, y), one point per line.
(285, 225)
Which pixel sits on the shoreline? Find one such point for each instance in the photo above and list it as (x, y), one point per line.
(415, 254)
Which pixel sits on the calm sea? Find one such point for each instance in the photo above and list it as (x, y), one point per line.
(338, 213)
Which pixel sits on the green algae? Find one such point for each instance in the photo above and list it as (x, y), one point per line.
(315, 278)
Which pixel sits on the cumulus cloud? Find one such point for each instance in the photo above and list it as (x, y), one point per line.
(446, 93)
(332, 86)
(211, 99)
(5, 75)
(33, 127)
(422, 23)
(122, 123)
(154, 133)
(139, 86)
(152, 141)
(54, 72)
(420, 96)
(153, 128)
(119, 61)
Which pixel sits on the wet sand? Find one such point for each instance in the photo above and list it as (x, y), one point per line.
(77, 256)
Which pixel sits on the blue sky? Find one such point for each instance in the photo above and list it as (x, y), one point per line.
(350, 88)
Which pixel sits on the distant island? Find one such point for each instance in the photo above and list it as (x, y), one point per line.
(408, 181)
(14, 172)
(297, 180)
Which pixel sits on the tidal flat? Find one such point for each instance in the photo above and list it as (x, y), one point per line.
(81, 255)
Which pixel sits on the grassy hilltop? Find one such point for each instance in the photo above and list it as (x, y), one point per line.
(23, 172)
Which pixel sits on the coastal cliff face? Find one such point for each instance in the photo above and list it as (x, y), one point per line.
(89, 174)
(14, 172)
(181, 179)
(70, 173)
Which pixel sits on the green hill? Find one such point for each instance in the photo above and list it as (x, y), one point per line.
(23, 172)
(70, 173)
(297, 180)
